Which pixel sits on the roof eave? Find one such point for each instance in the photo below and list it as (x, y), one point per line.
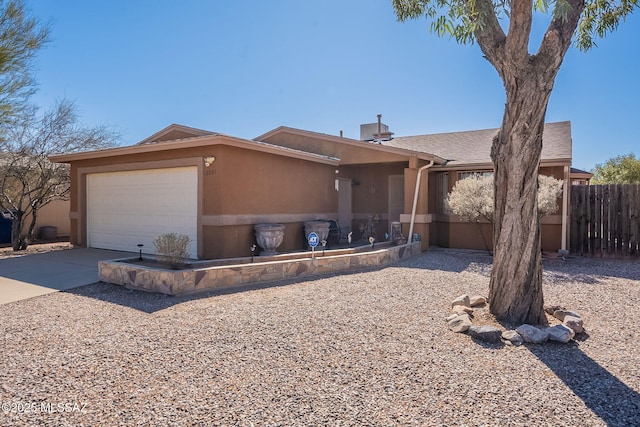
(195, 142)
(355, 143)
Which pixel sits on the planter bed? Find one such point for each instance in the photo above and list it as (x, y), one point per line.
(200, 276)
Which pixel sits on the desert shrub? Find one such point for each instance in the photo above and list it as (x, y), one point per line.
(472, 197)
(172, 249)
(549, 189)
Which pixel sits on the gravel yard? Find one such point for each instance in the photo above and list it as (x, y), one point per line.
(370, 348)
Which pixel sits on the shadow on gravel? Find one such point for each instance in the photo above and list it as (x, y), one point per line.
(609, 398)
(591, 271)
(150, 302)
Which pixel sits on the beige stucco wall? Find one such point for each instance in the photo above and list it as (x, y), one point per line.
(241, 188)
(55, 214)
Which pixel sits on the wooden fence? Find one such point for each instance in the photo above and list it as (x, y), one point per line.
(605, 220)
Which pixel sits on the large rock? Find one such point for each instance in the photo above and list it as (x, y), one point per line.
(462, 309)
(561, 314)
(477, 300)
(485, 333)
(450, 318)
(461, 300)
(560, 333)
(532, 334)
(574, 323)
(550, 309)
(512, 337)
(460, 324)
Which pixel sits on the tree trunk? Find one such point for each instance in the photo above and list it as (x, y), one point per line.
(18, 240)
(32, 226)
(515, 289)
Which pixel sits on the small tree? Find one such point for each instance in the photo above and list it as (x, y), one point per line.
(619, 170)
(28, 180)
(472, 198)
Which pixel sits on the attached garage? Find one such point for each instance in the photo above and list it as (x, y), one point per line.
(127, 208)
(213, 188)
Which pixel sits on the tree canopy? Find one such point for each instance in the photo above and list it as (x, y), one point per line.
(21, 37)
(466, 20)
(618, 170)
(28, 180)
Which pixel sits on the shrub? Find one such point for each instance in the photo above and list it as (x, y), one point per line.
(472, 197)
(172, 249)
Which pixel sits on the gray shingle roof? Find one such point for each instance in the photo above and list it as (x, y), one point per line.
(474, 146)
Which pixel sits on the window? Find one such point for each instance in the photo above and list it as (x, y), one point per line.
(442, 191)
(463, 175)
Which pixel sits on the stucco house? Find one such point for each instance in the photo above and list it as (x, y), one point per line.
(215, 188)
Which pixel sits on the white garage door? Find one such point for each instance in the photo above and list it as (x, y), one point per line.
(128, 208)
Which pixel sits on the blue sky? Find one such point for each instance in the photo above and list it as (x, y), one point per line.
(246, 67)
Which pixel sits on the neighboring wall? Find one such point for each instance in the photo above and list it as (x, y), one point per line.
(55, 214)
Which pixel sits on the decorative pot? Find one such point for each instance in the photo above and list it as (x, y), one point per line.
(269, 237)
(396, 234)
(321, 228)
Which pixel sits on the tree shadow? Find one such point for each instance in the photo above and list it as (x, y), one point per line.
(588, 271)
(591, 271)
(152, 302)
(603, 393)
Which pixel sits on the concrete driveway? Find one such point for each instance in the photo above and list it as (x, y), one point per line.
(37, 274)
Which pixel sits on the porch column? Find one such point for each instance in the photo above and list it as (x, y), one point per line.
(565, 207)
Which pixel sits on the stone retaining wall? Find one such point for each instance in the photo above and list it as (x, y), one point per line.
(198, 279)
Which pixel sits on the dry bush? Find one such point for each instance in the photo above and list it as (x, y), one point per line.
(172, 249)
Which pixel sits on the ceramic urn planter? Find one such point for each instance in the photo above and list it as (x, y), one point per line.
(269, 237)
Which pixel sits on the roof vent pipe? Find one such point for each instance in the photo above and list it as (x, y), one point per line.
(379, 126)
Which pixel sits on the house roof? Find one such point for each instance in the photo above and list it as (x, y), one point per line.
(474, 147)
(174, 132)
(351, 149)
(191, 138)
(579, 173)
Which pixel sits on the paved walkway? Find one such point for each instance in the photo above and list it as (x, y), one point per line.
(32, 275)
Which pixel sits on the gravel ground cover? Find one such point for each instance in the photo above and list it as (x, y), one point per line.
(363, 349)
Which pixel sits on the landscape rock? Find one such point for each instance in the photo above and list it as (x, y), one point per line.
(550, 309)
(477, 300)
(532, 334)
(561, 314)
(461, 309)
(485, 333)
(560, 333)
(574, 323)
(460, 324)
(512, 337)
(461, 300)
(450, 318)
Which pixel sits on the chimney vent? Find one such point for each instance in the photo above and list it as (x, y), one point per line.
(375, 132)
